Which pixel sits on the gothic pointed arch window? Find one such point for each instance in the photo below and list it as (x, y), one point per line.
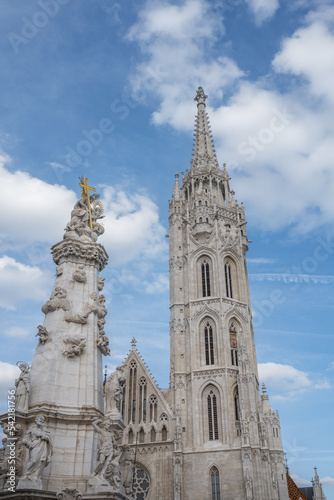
(236, 404)
(231, 278)
(211, 412)
(209, 342)
(228, 280)
(132, 392)
(234, 343)
(142, 398)
(214, 483)
(204, 274)
(153, 408)
(164, 433)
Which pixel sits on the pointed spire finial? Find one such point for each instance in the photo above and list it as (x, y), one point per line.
(204, 155)
(177, 189)
(264, 390)
(133, 343)
(201, 97)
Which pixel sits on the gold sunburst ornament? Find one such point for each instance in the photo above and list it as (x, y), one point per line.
(98, 208)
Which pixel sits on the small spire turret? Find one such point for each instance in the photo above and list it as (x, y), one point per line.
(177, 189)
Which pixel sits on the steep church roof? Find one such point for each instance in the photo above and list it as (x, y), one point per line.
(294, 491)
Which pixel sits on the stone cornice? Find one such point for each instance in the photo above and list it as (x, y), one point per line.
(79, 252)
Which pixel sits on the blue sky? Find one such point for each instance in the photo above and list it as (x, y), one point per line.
(105, 89)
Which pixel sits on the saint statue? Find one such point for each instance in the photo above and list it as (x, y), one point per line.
(39, 444)
(114, 390)
(105, 450)
(22, 385)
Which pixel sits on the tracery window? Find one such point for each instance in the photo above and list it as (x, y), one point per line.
(228, 280)
(132, 392)
(234, 344)
(142, 398)
(205, 277)
(140, 483)
(236, 404)
(209, 346)
(215, 486)
(212, 416)
(153, 408)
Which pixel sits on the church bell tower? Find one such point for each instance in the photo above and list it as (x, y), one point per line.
(231, 441)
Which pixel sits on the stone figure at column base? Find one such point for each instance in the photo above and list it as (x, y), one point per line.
(38, 442)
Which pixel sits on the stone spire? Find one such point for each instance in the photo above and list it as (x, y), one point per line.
(318, 492)
(204, 156)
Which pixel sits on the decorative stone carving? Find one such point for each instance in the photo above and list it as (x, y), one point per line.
(97, 306)
(114, 390)
(102, 343)
(79, 274)
(81, 319)
(3, 464)
(245, 432)
(39, 444)
(59, 271)
(43, 334)
(249, 485)
(22, 385)
(100, 283)
(100, 323)
(75, 346)
(79, 227)
(58, 300)
(69, 494)
(77, 251)
(126, 463)
(105, 452)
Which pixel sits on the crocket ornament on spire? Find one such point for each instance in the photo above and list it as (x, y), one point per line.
(201, 97)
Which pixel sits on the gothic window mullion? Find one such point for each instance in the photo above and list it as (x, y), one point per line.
(208, 288)
(228, 281)
(203, 281)
(207, 354)
(211, 347)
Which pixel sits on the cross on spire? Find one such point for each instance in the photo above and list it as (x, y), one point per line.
(85, 194)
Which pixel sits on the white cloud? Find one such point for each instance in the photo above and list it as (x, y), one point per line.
(300, 481)
(279, 143)
(263, 10)
(300, 56)
(260, 260)
(158, 284)
(175, 43)
(286, 381)
(17, 281)
(16, 331)
(132, 226)
(327, 481)
(38, 213)
(36, 210)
